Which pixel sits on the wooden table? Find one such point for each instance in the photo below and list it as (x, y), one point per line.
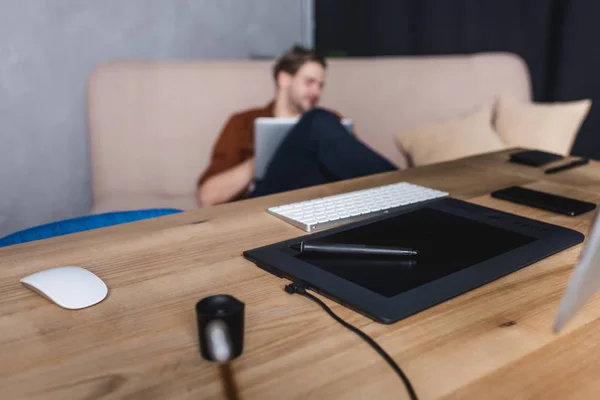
(141, 342)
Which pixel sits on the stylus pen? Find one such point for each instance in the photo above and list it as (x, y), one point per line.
(352, 249)
(570, 165)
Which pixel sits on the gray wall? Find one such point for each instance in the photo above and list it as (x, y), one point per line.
(47, 49)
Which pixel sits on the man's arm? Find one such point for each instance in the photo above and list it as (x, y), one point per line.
(226, 185)
(230, 170)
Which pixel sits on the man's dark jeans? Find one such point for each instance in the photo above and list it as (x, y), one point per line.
(317, 150)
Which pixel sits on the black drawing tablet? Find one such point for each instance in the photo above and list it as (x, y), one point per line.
(461, 246)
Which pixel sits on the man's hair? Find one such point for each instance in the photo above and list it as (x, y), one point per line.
(293, 59)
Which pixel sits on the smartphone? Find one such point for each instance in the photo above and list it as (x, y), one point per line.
(544, 201)
(534, 158)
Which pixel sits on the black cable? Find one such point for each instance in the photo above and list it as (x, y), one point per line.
(297, 288)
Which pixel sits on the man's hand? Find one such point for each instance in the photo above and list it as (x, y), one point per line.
(226, 185)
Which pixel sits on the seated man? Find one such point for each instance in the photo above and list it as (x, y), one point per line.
(318, 149)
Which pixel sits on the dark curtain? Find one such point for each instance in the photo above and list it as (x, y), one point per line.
(557, 39)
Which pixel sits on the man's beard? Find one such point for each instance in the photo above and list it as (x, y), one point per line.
(297, 105)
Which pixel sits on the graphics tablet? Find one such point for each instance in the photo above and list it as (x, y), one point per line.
(461, 246)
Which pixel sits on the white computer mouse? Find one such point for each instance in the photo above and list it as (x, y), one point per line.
(69, 287)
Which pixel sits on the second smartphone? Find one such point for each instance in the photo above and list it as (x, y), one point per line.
(544, 201)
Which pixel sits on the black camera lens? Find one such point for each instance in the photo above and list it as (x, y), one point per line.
(228, 310)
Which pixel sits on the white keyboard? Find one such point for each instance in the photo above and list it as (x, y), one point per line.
(330, 211)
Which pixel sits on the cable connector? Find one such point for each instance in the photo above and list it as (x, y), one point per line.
(296, 287)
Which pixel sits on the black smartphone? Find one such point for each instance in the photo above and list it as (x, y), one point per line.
(534, 158)
(545, 201)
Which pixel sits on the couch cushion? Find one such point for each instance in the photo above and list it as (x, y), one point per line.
(390, 94)
(544, 126)
(153, 124)
(452, 139)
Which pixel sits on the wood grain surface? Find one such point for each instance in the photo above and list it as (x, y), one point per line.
(141, 341)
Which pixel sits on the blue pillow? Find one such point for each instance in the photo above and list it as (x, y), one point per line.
(80, 224)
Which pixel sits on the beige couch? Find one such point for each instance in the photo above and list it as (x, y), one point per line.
(152, 125)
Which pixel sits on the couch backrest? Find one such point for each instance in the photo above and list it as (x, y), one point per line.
(152, 124)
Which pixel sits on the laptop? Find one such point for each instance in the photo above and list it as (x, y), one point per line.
(585, 279)
(268, 136)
